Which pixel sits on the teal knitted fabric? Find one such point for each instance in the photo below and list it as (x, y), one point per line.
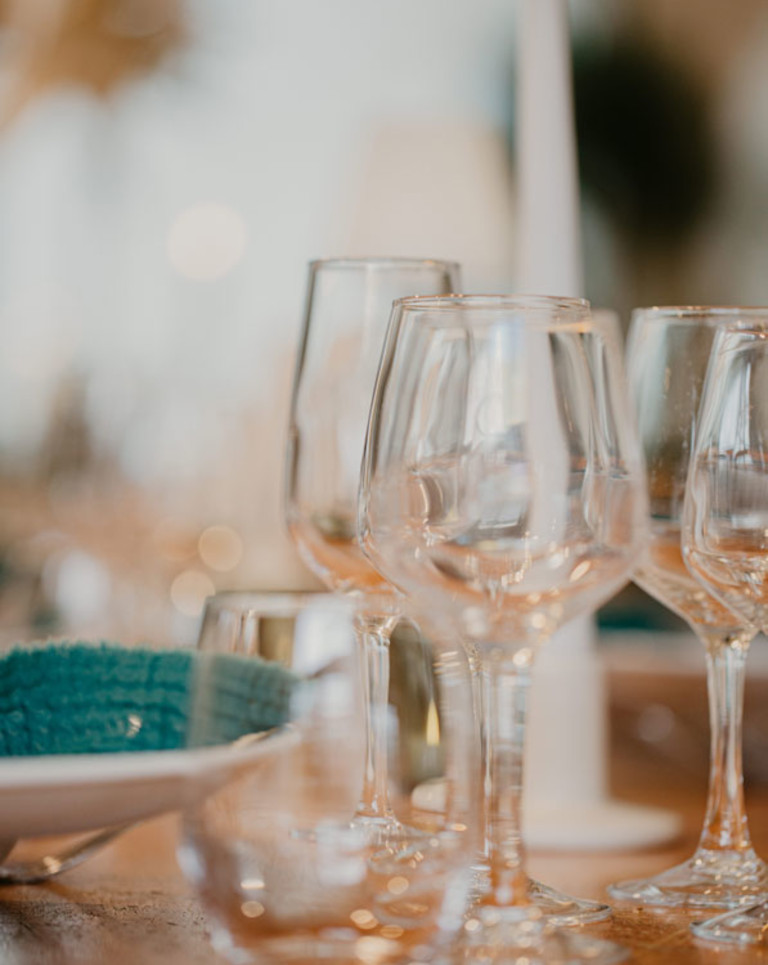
(81, 698)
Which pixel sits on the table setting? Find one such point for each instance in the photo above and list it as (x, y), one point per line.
(506, 485)
(343, 774)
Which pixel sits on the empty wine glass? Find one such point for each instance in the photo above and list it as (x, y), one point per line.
(667, 356)
(283, 871)
(502, 483)
(725, 525)
(348, 306)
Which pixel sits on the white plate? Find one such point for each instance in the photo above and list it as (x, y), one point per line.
(70, 793)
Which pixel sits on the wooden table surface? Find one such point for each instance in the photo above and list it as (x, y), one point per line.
(130, 903)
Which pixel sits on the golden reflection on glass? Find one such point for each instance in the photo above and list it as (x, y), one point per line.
(364, 918)
(252, 909)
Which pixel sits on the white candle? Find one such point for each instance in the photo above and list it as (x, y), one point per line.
(566, 786)
(548, 195)
(567, 698)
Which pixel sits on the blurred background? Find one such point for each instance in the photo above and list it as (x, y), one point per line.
(169, 167)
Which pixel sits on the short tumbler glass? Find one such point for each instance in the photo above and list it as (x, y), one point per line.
(283, 869)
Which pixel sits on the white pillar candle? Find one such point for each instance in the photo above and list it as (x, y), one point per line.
(548, 197)
(566, 786)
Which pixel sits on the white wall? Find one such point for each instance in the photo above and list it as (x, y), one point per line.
(155, 244)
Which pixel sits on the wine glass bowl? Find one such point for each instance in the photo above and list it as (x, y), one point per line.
(347, 310)
(668, 355)
(502, 484)
(491, 488)
(726, 543)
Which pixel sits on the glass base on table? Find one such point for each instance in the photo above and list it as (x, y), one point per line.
(558, 909)
(380, 829)
(710, 879)
(522, 936)
(742, 926)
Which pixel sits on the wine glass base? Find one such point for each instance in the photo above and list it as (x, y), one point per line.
(710, 879)
(379, 828)
(742, 926)
(563, 910)
(558, 909)
(522, 936)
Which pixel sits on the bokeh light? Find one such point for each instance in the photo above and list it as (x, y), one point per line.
(189, 591)
(206, 241)
(220, 548)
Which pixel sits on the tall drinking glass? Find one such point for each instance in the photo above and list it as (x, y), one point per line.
(347, 310)
(725, 537)
(502, 484)
(283, 871)
(667, 356)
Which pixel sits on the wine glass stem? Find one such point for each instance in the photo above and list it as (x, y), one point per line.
(725, 824)
(503, 687)
(374, 638)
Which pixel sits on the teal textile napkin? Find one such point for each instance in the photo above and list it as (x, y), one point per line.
(85, 698)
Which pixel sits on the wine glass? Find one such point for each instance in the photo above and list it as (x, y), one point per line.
(502, 483)
(667, 355)
(283, 872)
(725, 531)
(348, 306)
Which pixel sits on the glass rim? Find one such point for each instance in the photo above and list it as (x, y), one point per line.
(690, 313)
(737, 336)
(447, 303)
(477, 311)
(383, 263)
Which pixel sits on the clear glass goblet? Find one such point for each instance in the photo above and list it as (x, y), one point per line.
(283, 870)
(725, 524)
(667, 356)
(502, 484)
(348, 306)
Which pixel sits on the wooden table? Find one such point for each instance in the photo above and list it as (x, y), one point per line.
(130, 904)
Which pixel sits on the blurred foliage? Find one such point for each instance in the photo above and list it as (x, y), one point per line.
(633, 609)
(646, 145)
